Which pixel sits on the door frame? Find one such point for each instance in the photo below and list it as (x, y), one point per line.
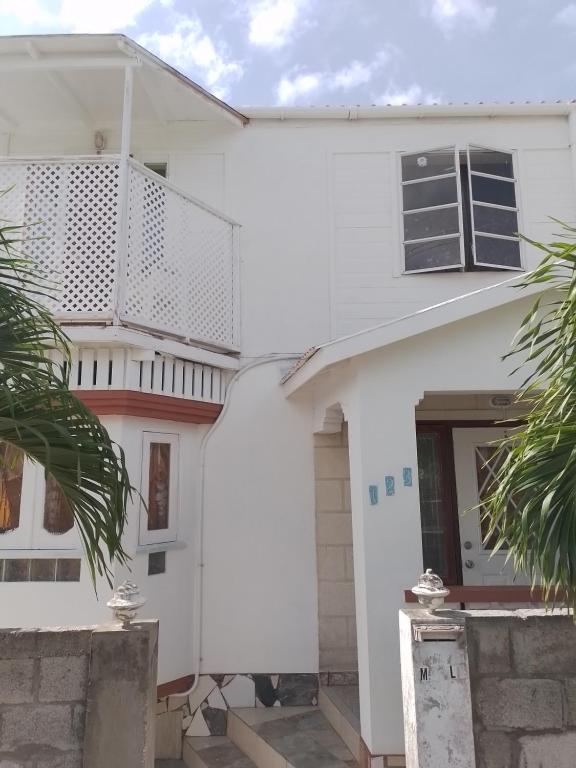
(444, 428)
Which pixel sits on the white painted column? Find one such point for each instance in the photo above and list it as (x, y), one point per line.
(387, 544)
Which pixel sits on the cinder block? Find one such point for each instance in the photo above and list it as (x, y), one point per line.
(16, 681)
(489, 644)
(508, 704)
(329, 496)
(63, 679)
(493, 750)
(45, 726)
(336, 598)
(544, 645)
(169, 735)
(547, 751)
(570, 688)
(331, 563)
(333, 632)
(333, 528)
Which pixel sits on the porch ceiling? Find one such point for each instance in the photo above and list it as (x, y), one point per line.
(318, 359)
(78, 81)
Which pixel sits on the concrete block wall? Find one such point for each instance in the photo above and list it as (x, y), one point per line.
(523, 687)
(335, 564)
(78, 697)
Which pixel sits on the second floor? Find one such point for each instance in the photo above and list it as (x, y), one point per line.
(266, 230)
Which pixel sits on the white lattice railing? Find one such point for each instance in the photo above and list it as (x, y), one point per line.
(119, 368)
(123, 245)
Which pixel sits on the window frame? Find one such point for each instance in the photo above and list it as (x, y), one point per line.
(459, 149)
(169, 534)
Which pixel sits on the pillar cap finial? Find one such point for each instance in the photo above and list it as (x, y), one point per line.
(125, 602)
(430, 591)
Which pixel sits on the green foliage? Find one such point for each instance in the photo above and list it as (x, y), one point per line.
(40, 416)
(539, 473)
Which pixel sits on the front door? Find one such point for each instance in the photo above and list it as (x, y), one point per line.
(476, 461)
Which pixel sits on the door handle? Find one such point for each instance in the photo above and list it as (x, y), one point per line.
(469, 563)
(467, 545)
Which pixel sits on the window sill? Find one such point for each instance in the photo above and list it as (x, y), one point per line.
(167, 546)
(37, 554)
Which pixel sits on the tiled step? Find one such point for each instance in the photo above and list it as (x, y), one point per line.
(340, 704)
(213, 752)
(159, 763)
(288, 737)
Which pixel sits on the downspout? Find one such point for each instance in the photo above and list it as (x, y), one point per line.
(199, 554)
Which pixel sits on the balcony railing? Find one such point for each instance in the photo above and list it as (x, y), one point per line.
(125, 246)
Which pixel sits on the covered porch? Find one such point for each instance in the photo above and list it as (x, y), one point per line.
(421, 399)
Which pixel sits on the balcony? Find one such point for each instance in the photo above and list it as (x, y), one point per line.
(124, 246)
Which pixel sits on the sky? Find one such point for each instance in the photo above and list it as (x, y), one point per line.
(302, 52)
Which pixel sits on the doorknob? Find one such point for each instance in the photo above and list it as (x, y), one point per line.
(469, 563)
(467, 545)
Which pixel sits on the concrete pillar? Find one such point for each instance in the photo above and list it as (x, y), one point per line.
(387, 544)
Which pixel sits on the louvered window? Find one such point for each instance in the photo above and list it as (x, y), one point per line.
(459, 210)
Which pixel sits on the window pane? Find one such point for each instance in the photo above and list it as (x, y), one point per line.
(58, 516)
(11, 469)
(488, 462)
(159, 487)
(431, 502)
(422, 165)
(427, 194)
(493, 191)
(494, 163)
(502, 253)
(435, 253)
(495, 220)
(431, 223)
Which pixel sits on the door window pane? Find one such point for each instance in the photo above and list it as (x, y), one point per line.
(495, 221)
(427, 194)
(443, 221)
(488, 461)
(422, 165)
(11, 469)
(432, 254)
(58, 517)
(494, 191)
(494, 163)
(497, 252)
(159, 487)
(432, 502)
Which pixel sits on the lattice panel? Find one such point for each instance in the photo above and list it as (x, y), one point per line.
(180, 264)
(71, 213)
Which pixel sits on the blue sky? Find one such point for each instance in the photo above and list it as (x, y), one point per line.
(263, 52)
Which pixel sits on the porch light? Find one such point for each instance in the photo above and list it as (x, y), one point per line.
(430, 591)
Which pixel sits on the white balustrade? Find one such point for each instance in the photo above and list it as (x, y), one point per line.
(116, 368)
(155, 259)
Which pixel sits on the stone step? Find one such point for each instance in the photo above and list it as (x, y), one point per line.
(340, 704)
(288, 737)
(213, 752)
(168, 763)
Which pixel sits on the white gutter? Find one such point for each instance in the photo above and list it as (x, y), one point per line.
(410, 111)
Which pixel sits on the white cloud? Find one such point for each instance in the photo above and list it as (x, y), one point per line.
(412, 95)
(188, 47)
(447, 14)
(73, 15)
(273, 23)
(567, 16)
(357, 73)
(29, 12)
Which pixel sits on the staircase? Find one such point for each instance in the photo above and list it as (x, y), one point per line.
(326, 736)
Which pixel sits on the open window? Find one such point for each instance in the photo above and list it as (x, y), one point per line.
(459, 210)
(160, 459)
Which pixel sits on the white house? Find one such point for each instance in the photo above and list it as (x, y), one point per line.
(292, 320)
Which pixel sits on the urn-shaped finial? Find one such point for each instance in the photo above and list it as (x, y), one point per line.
(430, 591)
(125, 602)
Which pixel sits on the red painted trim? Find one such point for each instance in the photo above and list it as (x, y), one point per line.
(469, 423)
(507, 593)
(180, 685)
(128, 402)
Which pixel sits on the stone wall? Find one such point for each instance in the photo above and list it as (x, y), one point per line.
(336, 609)
(523, 686)
(78, 698)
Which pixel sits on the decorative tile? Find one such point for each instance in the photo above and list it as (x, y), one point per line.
(218, 679)
(17, 570)
(274, 680)
(205, 686)
(42, 570)
(226, 680)
(176, 701)
(156, 563)
(266, 693)
(68, 569)
(216, 720)
(186, 722)
(161, 706)
(240, 692)
(296, 690)
(216, 700)
(198, 725)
